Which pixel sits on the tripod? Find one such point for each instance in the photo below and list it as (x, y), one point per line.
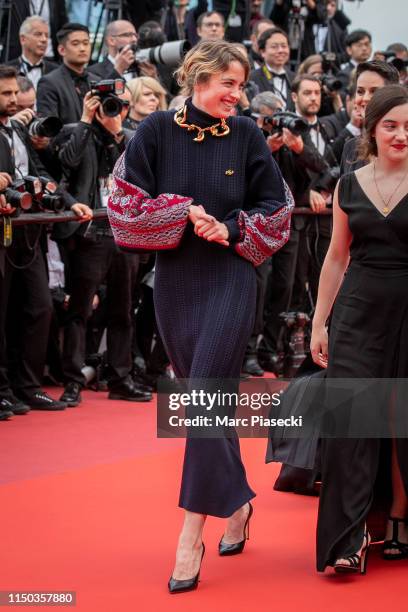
(111, 10)
(296, 31)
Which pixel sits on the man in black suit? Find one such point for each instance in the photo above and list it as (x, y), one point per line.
(273, 75)
(119, 35)
(359, 49)
(88, 151)
(53, 11)
(23, 261)
(61, 92)
(34, 36)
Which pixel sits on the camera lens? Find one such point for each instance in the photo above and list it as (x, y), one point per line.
(18, 199)
(47, 126)
(52, 202)
(112, 106)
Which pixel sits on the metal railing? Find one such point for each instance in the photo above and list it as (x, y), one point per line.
(46, 218)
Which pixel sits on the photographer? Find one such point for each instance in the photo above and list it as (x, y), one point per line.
(306, 94)
(323, 67)
(88, 151)
(274, 76)
(120, 40)
(61, 92)
(324, 25)
(23, 263)
(359, 50)
(297, 157)
(34, 36)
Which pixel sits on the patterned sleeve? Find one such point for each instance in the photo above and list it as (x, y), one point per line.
(263, 227)
(261, 235)
(139, 221)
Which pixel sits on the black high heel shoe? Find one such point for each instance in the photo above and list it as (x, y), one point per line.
(356, 563)
(226, 550)
(400, 548)
(181, 586)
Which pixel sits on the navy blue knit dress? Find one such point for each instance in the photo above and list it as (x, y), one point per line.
(204, 293)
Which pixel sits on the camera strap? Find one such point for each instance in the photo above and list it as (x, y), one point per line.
(234, 20)
(7, 231)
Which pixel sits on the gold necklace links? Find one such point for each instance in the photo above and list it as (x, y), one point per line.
(219, 129)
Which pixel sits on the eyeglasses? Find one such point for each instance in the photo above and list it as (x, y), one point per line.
(125, 35)
(276, 46)
(212, 24)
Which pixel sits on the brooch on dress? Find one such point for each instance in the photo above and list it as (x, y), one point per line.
(218, 129)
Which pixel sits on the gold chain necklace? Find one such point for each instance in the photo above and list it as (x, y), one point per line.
(218, 129)
(386, 208)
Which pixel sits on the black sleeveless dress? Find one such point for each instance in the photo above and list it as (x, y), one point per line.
(368, 339)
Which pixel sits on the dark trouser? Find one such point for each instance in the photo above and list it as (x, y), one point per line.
(155, 356)
(262, 274)
(279, 292)
(29, 335)
(91, 263)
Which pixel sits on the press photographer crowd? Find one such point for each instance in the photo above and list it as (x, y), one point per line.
(76, 80)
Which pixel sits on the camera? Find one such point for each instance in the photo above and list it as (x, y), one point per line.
(108, 92)
(391, 58)
(169, 53)
(45, 126)
(328, 180)
(36, 192)
(329, 67)
(17, 196)
(286, 119)
(299, 8)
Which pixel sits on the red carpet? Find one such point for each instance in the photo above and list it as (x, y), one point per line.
(89, 503)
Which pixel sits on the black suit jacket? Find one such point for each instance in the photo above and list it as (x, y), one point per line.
(105, 70)
(17, 63)
(56, 95)
(264, 84)
(35, 168)
(86, 153)
(349, 159)
(20, 10)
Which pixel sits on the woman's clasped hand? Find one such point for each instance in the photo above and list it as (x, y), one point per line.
(206, 226)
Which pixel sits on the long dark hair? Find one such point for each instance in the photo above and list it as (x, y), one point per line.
(383, 100)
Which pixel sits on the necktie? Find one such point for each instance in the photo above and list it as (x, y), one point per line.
(29, 67)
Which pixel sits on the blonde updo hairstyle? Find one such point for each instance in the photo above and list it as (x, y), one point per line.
(136, 87)
(205, 59)
(383, 100)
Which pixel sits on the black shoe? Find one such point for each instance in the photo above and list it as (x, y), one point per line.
(5, 415)
(251, 366)
(141, 384)
(226, 550)
(72, 395)
(181, 586)
(130, 392)
(13, 406)
(269, 362)
(42, 401)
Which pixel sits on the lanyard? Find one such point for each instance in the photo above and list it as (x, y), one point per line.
(277, 90)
